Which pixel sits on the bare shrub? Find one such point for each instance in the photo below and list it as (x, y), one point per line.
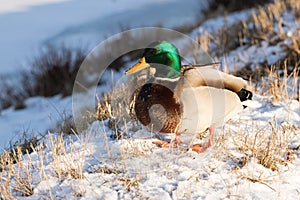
(23, 146)
(11, 95)
(235, 5)
(54, 71)
(66, 125)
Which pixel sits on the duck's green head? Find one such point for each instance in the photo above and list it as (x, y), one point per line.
(163, 56)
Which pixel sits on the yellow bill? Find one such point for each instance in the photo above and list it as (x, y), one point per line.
(140, 65)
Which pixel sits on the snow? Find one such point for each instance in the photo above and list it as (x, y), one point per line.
(132, 167)
(18, 6)
(136, 168)
(78, 22)
(40, 115)
(253, 55)
(215, 24)
(265, 52)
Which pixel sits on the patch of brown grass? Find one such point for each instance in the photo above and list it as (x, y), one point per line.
(280, 84)
(263, 21)
(15, 178)
(117, 104)
(67, 162)
(17, 173)
(130, 183)
(268, 144)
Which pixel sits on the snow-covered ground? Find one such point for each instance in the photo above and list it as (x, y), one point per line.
(97, 166)
(134, 168)
(41, 114)
(253, 55)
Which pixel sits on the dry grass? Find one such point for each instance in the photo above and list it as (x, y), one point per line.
(16, 179)
(104, 109)
(116, 105)
(281, 85)
(105, 169)
(268, 144)
(67, 162)
(131, 182)
(264, 22)
(66, 125)
(269, 147)
(20, 175)
(260, 26)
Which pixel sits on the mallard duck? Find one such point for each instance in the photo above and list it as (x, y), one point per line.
(184, 99)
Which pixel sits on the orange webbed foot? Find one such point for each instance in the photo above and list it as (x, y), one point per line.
(199, 148)
(173, 144)
(165, 144)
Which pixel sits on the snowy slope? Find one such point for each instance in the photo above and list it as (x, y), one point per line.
(135, 168)
(21, 6)
(78, 22)
(40, 115)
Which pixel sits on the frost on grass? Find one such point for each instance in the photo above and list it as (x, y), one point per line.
(254, 156)
(254, 39)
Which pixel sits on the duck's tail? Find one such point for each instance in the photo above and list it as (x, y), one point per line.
(244, 95)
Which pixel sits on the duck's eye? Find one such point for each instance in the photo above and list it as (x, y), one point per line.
(153, 51)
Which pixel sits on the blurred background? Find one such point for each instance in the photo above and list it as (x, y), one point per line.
(26, 26)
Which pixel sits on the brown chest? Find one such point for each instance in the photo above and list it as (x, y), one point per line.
(156, 107)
